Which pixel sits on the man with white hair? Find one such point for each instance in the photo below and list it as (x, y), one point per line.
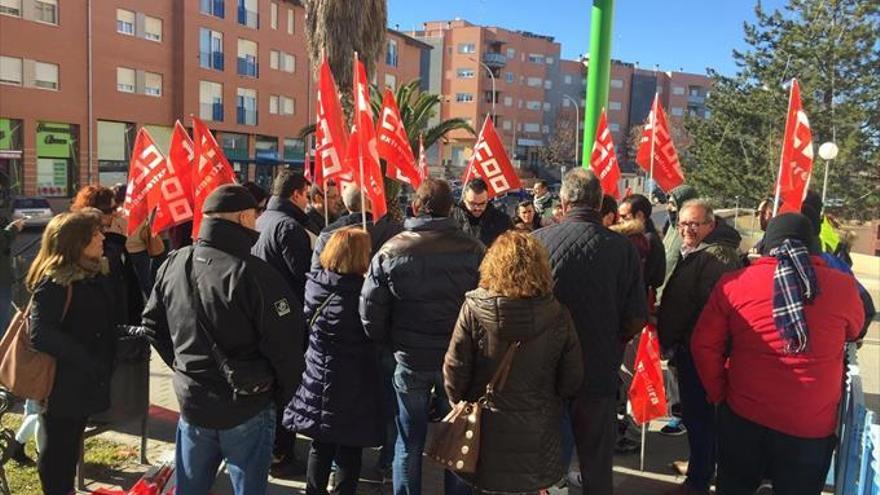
(597, 276)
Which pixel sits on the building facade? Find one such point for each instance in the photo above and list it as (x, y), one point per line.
(75, 86)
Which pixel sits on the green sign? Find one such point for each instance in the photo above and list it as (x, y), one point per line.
(5, 134)
(54, 140)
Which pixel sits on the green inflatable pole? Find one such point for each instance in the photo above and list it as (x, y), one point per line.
(598, 72)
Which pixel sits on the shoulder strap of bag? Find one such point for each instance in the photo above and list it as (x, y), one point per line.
(500, 377)
(201, 316)
(320, 309)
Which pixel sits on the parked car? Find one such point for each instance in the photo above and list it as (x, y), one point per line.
(35, 210)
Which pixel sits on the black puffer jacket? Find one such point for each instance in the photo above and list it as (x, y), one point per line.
(597, 276)
(252, 316)
(83, 342)
(692, 281)
(284, 242)
(520, 438)
(380, 232)
(487, 227)
(415, 287)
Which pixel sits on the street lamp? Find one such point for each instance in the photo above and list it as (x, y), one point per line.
(492, 76)
(577, 127)
(828, 152)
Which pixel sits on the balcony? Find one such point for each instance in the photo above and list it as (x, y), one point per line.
(495, 60)
(245, 117)
(247, 66)
(215, 8)
(211, 60)
(248, 18)
(211, 111)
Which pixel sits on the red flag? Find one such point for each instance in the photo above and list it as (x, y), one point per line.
(331, 139)
(647, 395)
(491, 163)
(424, 170)
(363, 146)
(174, 197)
(210, 171)
(146, 170)
(603, 161)
(797, 155)
(394, 145)
(666, 170)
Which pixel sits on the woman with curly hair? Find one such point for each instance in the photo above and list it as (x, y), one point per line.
(514, 307)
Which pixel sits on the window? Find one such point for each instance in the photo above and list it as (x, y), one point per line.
(390, 81)
(286, 106)
(534, 82)
(212, 7)
(46, 11)
(464, 97)
(545, 129)
(678, 90)
(546, 106)
(506, 125)
(273, 105)
(533, 105)
(273, 15)
(10, 70)
(549, 60)
(125, 80)
(508, 101)
(614, 105)
(46, 75)
(536, 58)
(532, 127)
(548, 84)
(467, 48)
(274, 57)
(466, 73)
(567, 79)
(248, 13)
(10, 7)
(676, 111)
(289, 21)
(210, 49)
(617, 83)
(152, 28)
(508, 76)
(125, 22)
(614, 127)
(566, 103)
(152, 84)
(247, 58)
(391, 53)
(210, 101)
(246, 108)
(511, 53)
(288, 63)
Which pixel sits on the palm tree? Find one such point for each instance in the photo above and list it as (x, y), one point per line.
(337, 28)
(416, 111)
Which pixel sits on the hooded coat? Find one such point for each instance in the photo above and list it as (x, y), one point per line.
(520, 438)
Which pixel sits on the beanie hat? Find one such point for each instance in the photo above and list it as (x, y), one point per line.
(792, 226)
(229, 198)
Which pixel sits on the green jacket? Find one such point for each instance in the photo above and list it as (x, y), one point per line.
(7, 237)
(688, 287)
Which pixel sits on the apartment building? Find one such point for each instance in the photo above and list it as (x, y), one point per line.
(482, 71)
(74, 89)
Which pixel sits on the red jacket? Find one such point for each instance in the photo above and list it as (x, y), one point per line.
(793, 394)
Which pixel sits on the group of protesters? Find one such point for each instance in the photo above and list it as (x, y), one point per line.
(296, 313)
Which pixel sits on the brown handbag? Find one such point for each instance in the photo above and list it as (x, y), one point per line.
(456, 441)
(24, 371)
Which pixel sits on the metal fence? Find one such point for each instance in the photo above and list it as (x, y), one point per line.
(856, 469)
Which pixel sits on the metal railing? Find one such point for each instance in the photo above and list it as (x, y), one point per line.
(246, 117)
(248, 66)
(248, 18)
(211, 111)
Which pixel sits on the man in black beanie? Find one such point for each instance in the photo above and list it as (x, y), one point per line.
(227, 324)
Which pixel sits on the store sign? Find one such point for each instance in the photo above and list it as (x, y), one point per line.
(54, 140)
(8, 131)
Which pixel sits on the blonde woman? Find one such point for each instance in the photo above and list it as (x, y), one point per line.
(72, 320)
(520, 448)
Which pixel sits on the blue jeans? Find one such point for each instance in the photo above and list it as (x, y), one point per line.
(387, 365)
(413, 390)
(698, 416)
(247, 449)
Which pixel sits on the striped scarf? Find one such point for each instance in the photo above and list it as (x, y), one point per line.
(794, 283)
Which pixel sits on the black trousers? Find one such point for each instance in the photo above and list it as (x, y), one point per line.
(749, 452)
(348, 468)
(57, 463)
(594, 423)
(285, 440)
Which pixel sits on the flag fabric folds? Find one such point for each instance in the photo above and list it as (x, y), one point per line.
(174, 196)
(146, 171)
(666, 169)
(363, 154)
(647, 395)
(490, 162)
(210, 171)
(603, 160)
(331, 138)
(393, 145)
(796, 165)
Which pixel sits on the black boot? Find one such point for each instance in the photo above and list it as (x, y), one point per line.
(17, 454)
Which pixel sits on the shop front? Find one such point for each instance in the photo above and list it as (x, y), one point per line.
(57, 151)
(10, 160)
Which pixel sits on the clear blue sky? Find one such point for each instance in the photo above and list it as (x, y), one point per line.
(692, 34)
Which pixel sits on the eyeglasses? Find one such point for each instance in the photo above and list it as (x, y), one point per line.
(474, 204)
(691, 225)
